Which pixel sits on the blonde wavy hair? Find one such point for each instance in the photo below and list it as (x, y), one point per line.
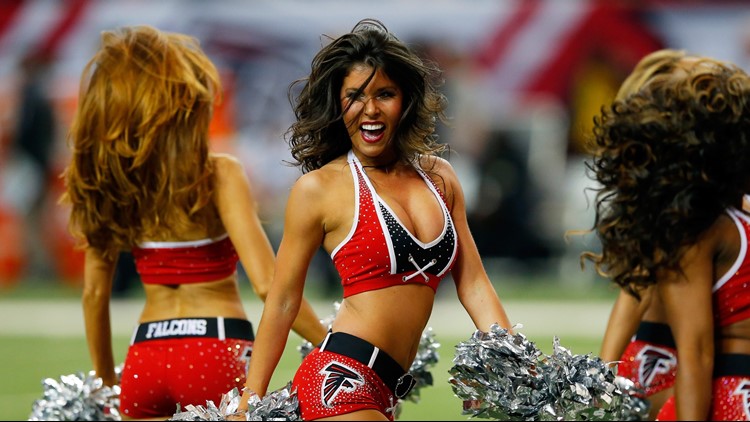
(140, 168)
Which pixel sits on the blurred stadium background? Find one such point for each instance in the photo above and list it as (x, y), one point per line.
(524, 79)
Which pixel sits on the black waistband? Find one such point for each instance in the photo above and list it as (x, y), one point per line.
(732, 365)
(221, 328)
(655, 333)
(393, 375)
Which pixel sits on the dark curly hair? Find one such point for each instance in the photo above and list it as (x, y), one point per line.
(670, 154)
(319, 135)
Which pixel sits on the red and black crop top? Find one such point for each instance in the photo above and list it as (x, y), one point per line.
(379, 252)
(731, 301)
(185, 262)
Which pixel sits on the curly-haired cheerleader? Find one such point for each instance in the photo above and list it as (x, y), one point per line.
(672, 160)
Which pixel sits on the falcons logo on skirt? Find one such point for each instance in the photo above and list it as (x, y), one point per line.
(654, 361)
(339, 377)
(744, 390)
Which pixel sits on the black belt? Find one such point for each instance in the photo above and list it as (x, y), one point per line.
(655, 333)
(393, 375)
(730, 364)
(221, 328)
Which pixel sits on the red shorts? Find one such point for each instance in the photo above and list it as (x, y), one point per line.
(650, 360)
(731, 393)
(331, 383)
(175, 362)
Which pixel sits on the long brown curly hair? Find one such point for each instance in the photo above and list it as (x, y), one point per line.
(140, 168)
(670, 154)
(319, 134)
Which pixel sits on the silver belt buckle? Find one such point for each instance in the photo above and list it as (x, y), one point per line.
(404, 385)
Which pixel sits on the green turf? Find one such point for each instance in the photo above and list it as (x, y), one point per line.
(510, 286)
(28, 360)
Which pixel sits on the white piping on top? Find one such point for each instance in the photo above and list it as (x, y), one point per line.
(735, 215)
(182, 244)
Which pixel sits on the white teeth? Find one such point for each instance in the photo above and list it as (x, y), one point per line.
(372, 127)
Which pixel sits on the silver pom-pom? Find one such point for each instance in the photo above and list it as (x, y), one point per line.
(279, 405)
(77, 397)
(227, 407)
(583, 387)
(634, 406)
(506, 377)
(496, 375)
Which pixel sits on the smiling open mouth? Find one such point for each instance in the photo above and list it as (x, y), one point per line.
(372, 132)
